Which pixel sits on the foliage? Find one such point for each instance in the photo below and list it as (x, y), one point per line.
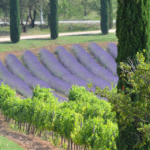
(30, 11)
(104, 16)
(133, 113)
(4, 9)
(89, 103)
(97, 134)
(68, 9)
(54, 18)
(132, 30)
(14, 21)
(56, 141)
(97, 126)
(70, 120)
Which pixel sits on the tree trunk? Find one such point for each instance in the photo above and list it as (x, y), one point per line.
(33, 18)
(24, 27)
(85, 13)
(32, 23)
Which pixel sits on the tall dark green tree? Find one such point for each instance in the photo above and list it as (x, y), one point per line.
(54, 18)
(104, 16)
(14, 21)
(133, 32)
(110, 14)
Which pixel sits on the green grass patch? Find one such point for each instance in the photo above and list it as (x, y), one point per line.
(6, 144)
(37, 30)
(4, 31)
(37, 43)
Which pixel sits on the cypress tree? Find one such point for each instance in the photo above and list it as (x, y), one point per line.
(54, 18)
(132, 30)
(104, 17)
(110, 14)
(14, 21)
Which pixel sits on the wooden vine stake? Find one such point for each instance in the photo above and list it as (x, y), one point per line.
(74, 146)
(61, 141)
(71, 145)
(46, 134)
(77, 147)
(52, 121)
(68, 144)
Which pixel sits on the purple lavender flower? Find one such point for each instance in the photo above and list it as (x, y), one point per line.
(16, 68)
(84, 58)
(14, 82)
(103, 57)
(57, 69)
(71, 64)
(112, 49)
(39, 71)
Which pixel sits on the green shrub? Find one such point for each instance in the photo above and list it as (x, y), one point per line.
(132, 30)
(133, 115)
(98, 135)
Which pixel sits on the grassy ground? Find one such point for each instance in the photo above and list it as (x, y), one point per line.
(37, 43)
(6, 144)
(4, 30)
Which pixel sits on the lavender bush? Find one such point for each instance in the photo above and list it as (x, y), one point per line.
(57, 69)
(112, 49)
(84, 58)
(16, 68)
(103, 57)
(71, 64)
(39, 71)
(14, 82)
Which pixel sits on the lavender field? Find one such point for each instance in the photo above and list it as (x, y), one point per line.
(61, 70)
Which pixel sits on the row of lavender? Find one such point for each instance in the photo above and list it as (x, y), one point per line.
(59, 75)
(16, 68)
(86, 59)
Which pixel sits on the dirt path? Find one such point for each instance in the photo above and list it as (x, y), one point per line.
(28, 142)
(51, 48)
(3, 39)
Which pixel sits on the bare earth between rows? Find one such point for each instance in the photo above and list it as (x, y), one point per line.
(19, 53)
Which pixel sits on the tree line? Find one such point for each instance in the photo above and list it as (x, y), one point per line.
(67, 9)
(17, 9)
